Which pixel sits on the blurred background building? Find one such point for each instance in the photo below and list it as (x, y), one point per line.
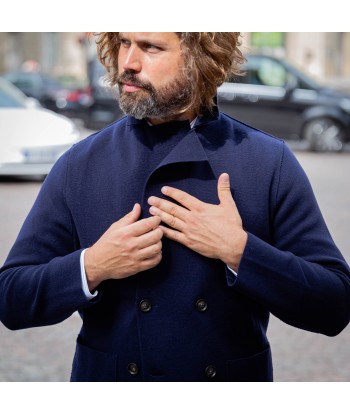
(323, 55)
(65, 55)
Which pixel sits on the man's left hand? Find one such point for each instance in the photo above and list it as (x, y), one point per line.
(215, 231)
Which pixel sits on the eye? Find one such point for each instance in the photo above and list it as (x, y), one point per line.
(124, 42)
(149, 47)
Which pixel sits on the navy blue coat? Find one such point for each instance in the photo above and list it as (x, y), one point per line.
(199, 322)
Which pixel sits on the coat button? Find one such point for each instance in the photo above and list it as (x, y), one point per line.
(145, 306)
(133, 369)
(210, 372)
(201, 305)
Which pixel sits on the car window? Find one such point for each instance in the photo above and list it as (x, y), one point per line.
(264, 71)
(260, 70)
(272, 73)
(27, 81)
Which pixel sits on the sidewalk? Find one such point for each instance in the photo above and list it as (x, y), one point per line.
(45, 354)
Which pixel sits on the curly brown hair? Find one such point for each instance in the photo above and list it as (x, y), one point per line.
(210, 58)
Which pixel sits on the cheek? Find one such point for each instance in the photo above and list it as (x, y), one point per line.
(120, 63)
(164, 73)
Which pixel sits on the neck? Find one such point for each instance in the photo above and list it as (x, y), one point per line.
(188, 115)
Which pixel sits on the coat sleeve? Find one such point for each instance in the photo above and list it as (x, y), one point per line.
(40, 282)
(300, 275)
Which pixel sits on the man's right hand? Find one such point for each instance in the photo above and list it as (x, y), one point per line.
(128, 247)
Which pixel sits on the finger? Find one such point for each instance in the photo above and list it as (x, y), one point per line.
(130, 217)
(174, 235)
(151, 262)
(150, 238)
(150, 251)
(168, 207)
(185, 199)
(224, 189)
(167, 218)
(144, 226)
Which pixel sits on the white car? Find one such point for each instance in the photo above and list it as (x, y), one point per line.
(31, 138)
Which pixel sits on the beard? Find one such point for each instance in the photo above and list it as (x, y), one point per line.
(168, 101)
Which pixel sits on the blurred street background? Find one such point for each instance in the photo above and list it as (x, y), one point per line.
(45, 354)
(66, 55)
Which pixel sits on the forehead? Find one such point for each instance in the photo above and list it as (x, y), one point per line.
(158, 37)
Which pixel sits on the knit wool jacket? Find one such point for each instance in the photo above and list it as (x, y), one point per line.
(189, 318)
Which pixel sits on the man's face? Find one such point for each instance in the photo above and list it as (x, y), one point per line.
(151, 77)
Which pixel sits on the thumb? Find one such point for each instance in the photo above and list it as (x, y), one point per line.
(224, 190)
(130, 217)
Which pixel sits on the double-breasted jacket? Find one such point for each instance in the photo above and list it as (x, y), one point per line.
(189, 318)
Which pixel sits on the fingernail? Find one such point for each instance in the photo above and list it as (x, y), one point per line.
(225, 178)
(151, 200)
(164, 190)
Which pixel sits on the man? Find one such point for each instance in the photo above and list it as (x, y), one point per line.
(173, 271)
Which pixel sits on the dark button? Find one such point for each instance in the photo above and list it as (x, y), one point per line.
(133, 369)
(145, 305)
(201, 305)
(210, 371)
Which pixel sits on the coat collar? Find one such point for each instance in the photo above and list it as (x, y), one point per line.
(189, 148)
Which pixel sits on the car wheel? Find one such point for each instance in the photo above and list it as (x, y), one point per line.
(324, 135)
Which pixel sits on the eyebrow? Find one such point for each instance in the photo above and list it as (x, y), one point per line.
(144, 40)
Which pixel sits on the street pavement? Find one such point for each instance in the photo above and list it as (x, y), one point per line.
(45, 354)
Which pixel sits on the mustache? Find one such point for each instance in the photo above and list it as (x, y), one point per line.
(130, 77)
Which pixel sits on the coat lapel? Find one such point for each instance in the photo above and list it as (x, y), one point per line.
(189, 149)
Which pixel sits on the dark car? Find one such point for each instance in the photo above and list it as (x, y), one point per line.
(275, 97)
(104, 108)
(51, 93)
(272, 96)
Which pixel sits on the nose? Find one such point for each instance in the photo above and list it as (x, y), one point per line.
(131, 59)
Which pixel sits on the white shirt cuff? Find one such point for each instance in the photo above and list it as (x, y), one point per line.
(86, 290)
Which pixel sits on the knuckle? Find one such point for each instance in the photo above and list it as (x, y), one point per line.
(154, 221)
(122, 237)
(173, 210)
(190, 243)
(172, 221)
(157, 259)
(130, 246)
(152, 262)
(174, 235)
(156, 235)
(192, 219)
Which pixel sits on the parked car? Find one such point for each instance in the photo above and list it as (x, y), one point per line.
(275, 97)
(32, 138)
(104, 108)
(272, 96)
(51, 94)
